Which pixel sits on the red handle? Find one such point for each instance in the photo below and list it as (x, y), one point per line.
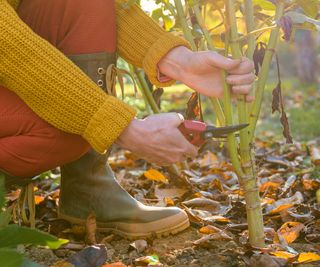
(192, 131)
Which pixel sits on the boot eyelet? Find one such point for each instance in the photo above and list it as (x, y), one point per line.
(100, 71)
(100, 83)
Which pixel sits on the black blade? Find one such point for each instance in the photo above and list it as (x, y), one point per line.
(222, 131)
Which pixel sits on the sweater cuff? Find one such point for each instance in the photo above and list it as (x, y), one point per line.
(156, 52)
(108, 123)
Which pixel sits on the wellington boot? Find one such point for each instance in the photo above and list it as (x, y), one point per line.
(89, 186)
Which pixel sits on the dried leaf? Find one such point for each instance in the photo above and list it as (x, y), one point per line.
(115, 264)
(278, 105)
(155, 175)
(283, 254)
(90, 256)
(290, 231)
(145, 260)
(91, 229)
(286, 25)
(157, 96)
(38, 199)
(139, 245)
(307, 257)
(193, 111)
(62, 263)
(258, 56)
(205, 240)
(284, 203)
(203, 204)
(276, 98)
(169, 201)
(209, 229)
(208, 160)
(269, 185)
(286, 128)
(314, 152)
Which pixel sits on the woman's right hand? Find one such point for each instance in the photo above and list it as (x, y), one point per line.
(157, 139)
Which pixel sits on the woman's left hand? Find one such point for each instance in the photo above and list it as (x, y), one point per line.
(202, 71)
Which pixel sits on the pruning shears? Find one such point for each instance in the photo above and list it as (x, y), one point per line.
(197, 132)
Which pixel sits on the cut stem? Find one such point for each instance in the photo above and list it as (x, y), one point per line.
(248, 179)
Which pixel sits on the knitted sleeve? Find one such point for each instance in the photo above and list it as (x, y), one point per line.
(54, 87)
(142, 42)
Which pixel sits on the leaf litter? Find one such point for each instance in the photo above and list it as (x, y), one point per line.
(289, 179)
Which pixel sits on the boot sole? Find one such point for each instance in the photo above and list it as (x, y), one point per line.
(170, 225)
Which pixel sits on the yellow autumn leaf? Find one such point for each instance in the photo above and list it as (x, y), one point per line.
(283, 254)
(308, 257)
(169, 201)
(209, 229)
(155, 175)
(281, 208)
(38, 199)
(290, 231)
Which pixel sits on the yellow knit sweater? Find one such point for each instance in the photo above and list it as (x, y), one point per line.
(54, 88)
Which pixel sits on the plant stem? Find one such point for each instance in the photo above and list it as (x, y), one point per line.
(264, 71)
(248, 179)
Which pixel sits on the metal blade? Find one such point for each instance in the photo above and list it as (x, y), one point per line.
(219, 132)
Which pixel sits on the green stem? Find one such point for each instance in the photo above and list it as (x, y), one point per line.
(263, 75)
(188, 35)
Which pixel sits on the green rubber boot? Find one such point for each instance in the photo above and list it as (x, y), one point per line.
(88, 185)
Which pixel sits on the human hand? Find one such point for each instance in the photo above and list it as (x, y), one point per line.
(157, 139)
(202, 71)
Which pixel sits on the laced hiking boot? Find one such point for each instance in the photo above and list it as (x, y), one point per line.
(88, 185)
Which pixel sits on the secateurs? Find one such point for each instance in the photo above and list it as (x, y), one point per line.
(197, 132)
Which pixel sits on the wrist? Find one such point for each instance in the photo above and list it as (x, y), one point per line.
(173, 63)
(125, 138)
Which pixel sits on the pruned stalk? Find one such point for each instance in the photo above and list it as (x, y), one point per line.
(263, 75)
(248, 179)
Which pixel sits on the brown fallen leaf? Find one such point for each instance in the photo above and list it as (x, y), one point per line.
(209, 229)
(269, 185)
(115, 264)
(155, 175)
(62, 263)
(289, 231)
(263, 260)
(209, 159)
(204, 204)
(91, 229)
(90, 256)
(139, 245)
(284, 203)
(205, 240)
(314, 152)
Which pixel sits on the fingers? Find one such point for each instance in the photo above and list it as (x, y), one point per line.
(245, 66)
(241, 79)
(217, 60)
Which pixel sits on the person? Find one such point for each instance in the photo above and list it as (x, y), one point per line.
(56, 59)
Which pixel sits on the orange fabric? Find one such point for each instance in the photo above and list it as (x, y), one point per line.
(28, 144)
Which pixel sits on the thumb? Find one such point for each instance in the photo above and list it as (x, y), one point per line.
(217, 60)
(175, 119)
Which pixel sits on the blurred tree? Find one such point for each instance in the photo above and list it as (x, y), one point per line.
(306, 56)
